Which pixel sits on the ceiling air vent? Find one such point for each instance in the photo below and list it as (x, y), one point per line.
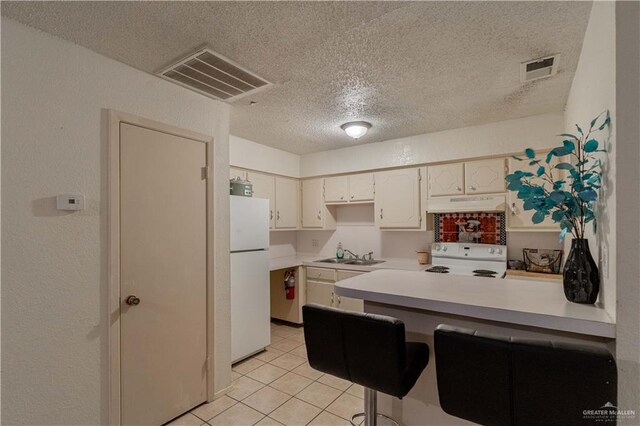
(539, 68)
(213, 75)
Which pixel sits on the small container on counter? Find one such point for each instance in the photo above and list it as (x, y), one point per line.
(423, 257)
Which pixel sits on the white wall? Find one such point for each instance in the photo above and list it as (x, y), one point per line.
(504, 137)
(628, 206)
(593, 91)
(54, 307)
(251, 155)
(356, 230)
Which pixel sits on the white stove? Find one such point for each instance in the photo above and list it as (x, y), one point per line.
(471, 259)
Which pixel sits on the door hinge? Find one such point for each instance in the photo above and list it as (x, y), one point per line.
(205, 173)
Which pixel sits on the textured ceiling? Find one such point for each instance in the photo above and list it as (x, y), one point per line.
(406, 67)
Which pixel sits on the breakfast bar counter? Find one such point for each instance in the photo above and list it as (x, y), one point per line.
(530, 303)
(504, 307)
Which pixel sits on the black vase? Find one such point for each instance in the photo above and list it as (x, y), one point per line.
(580, 276)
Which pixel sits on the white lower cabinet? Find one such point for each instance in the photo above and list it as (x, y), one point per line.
(321, 288)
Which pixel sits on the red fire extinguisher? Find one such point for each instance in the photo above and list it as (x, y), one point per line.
(290, 284)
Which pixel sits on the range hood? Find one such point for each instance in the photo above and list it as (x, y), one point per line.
(465, 203)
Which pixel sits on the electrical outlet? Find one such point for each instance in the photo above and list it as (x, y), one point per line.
(315, 242)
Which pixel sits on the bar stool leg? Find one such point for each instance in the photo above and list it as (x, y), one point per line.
(371, 410)
(370, 407)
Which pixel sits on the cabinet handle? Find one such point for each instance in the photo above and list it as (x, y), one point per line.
(339, 301)
(342, 198)
(380, 213)
(458, 188)
(319, 214)
(352, 197)
(278, 215)
(513, 209)
(270, 214)
(473, 188)
(332, 298)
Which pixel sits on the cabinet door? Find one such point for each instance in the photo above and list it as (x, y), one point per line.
(287, 203)
(447, 179)
(397, 203)
(312, 203)
(319, 292)
(264, 186)
(484, 176)
(237, 173)
(361, 187)
(519, 219)
(335, 189)
(348, 303)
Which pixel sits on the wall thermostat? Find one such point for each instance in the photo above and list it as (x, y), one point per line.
(70, 202)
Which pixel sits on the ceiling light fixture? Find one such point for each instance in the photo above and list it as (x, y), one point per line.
(356, 129)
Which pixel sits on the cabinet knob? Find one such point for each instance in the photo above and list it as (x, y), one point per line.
(352, 197)
(342, 198)
(473, 188)
(459, 188)
(271, 214)
(380, 213)
(278, 215)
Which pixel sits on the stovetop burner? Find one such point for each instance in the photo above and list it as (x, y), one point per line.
(439, 269)
(484, 272)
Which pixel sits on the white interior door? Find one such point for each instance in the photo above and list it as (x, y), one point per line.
(163, 258)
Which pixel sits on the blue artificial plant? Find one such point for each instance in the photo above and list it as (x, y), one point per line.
(567, 188)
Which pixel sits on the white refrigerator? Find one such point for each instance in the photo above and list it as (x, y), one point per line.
(250, 288)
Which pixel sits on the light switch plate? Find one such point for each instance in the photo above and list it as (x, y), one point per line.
(70, 202)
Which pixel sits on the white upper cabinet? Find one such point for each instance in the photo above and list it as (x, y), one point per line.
(315, 214)
(349, 189)
(264, 186)
(336, 189)
(446, 179)
(519, 219)
(287, 202)
(312, 203)
(484, 176)
(361, 187)
(397, 203)
(237, 173)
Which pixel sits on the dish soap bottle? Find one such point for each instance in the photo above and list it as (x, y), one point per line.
(340, 251)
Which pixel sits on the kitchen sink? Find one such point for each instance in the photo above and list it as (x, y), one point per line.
(333, 260)
(363, 262)
(360, 262)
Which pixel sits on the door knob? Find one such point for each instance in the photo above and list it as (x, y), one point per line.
(132, 300)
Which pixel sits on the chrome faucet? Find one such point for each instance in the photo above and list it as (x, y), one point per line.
(352, 253)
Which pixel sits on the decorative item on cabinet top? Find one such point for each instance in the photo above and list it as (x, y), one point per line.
(478, 227)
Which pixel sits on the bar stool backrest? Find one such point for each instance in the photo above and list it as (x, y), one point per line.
(366, 349)
(493, 380)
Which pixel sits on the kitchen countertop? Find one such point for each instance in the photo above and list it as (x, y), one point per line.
(312, 260)
(530, 303)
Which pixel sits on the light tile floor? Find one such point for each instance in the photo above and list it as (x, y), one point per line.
(278, 387)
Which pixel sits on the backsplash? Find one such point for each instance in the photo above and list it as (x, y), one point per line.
(480, 227)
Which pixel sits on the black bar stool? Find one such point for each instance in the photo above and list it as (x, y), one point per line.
(366, 349)
(493, 380)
